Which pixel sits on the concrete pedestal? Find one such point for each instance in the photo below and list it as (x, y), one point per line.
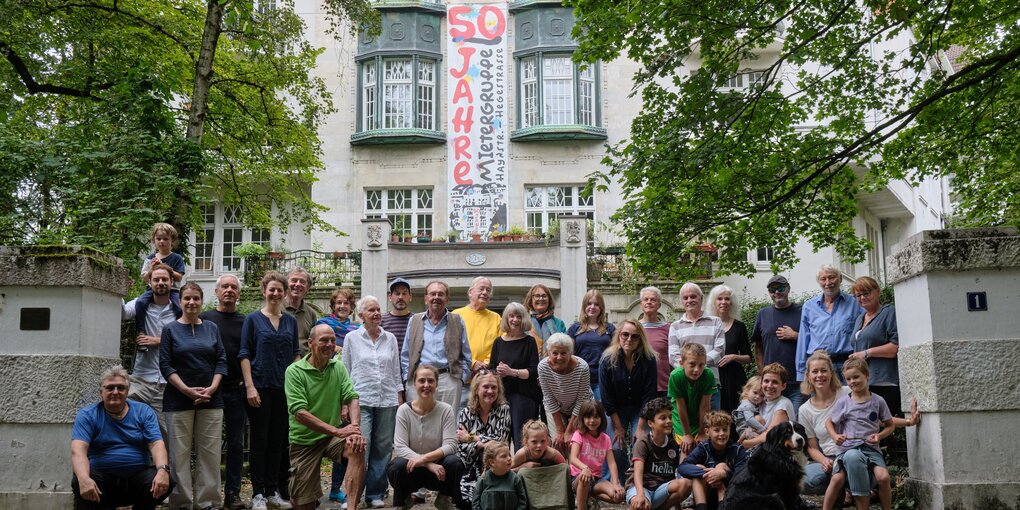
(962, 363)
(59, 329)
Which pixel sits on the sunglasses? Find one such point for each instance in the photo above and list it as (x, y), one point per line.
(778, 288)
(627, 336)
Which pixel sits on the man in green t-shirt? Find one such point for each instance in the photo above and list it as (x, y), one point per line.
(691, 388)
(317, 386)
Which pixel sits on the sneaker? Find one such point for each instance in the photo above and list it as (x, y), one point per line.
(275, 501)
(258, 502)
(688, 503)
(419, 497)
(337, 496)
(343, 506)
(377, 503)
(232, 501)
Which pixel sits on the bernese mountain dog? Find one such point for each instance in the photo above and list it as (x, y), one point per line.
(771, 478)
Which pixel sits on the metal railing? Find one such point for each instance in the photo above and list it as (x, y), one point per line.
(610, 264)
(325, 268)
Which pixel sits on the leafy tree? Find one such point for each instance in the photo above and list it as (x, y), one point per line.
(116, 114)
(851, 95)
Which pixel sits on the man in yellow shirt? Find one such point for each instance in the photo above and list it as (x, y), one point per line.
(482, 324)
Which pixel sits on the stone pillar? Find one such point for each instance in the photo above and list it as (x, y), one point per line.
(573, 266)
(59, 329)
(375, 258)
(962, 363)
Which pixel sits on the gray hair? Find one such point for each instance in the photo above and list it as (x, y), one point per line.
(828, 269)
(477, 280)
(301, 270)
(363, 302)
(560, 340)
(222, 276)
(518, 309)
(692, 286)
(113, 372)
(716, 291)
(652, 289)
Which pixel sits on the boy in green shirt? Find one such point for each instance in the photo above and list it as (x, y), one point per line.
(691, 388)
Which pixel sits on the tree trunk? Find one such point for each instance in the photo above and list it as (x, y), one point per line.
(204, 69)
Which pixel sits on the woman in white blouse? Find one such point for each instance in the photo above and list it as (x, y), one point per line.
(371, 356)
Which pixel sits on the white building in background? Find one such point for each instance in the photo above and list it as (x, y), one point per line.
(476, 117)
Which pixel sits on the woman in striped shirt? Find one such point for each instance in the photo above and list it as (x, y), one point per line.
(566, 384)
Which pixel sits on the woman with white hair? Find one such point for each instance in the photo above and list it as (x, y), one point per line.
(565, 382)
(371, 357)
(722, 303)
(514, 358)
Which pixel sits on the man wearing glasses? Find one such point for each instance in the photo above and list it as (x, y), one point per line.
(775, 335)
(111, 443)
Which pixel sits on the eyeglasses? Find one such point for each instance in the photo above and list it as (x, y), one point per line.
(864, 294)
(627, 336)
(780, 288)
(540, 296)
(115, 387)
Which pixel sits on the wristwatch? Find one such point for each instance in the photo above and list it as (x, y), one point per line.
(165, 467)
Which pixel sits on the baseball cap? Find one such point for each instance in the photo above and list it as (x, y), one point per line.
(777, 280)
(399, 281)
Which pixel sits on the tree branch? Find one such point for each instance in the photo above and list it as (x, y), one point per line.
(34, 87)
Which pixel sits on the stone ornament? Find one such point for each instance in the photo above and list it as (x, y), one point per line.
(428, 33)
(527, 31)
(573, 232)
(374, 236)
(397, 31)
(475, 259)
(556, 27)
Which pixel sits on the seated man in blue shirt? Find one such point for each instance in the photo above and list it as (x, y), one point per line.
(108, 450)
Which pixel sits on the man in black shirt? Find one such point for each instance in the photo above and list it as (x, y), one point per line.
(229, 321)
(775, 335)
(395, 321)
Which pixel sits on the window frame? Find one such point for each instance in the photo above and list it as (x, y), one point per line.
(214, 259)
(380, 99)
(548, 213)
(415, 212)
(540, 90)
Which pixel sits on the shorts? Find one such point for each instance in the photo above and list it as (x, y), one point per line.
(305, 460)
(657, 497)
(873, 456)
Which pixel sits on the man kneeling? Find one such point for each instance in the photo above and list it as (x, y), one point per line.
(316, 387)
(108, 450)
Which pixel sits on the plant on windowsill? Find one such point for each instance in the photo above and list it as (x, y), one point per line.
(424, 237)
(516, 233)
(476, 237)
(452, 235)
(408, 237)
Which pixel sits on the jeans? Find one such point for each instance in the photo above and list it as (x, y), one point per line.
(377, 424)
(234, 418)
(268, 441)
(816, 480)
(656, 498)
(857, 463)
(793, 393)
(716, 400)
(628, 416)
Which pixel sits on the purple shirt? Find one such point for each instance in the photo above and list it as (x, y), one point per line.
(858, 420)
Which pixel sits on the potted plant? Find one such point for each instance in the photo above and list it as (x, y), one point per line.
(408, 237)
(452, 235)
(246, 250)
(476, 237)
(516, 233)
(424, 237)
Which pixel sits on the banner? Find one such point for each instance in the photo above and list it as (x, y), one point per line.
(477, 112)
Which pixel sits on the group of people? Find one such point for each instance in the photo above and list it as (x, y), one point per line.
(627, 406)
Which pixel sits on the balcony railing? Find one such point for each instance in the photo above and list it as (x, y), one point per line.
(610, 264)
(325, 268)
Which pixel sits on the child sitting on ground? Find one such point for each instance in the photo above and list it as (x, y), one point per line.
(651, 480)
(857, 423)
(711, 464)
(590, 447)
(536, 452)
(691, 388)
(747, 415)
(499, 488)
(777, 408)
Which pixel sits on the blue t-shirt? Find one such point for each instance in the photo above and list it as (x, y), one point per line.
(589, 345)
(269, 350)
(118, 447)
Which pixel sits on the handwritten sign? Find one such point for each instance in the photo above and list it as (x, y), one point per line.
(477, 125)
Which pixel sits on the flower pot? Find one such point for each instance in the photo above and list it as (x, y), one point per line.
(476, 238)
(277, 255)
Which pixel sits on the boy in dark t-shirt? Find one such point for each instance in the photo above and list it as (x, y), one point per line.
(651, 479)
(712, 463)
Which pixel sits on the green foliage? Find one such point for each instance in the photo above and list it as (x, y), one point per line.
(250, 250)
(95, 98)
(839, 112)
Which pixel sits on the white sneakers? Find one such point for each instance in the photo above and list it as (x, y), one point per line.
(258, 502)
(377, 503)
(275, 501)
